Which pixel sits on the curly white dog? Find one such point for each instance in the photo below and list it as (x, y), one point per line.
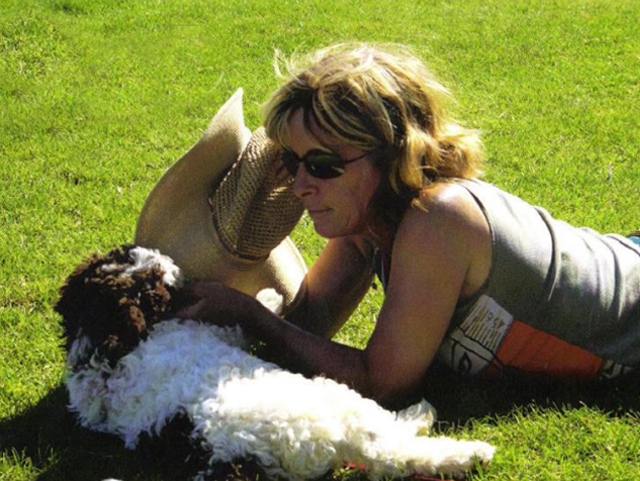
(129, 380)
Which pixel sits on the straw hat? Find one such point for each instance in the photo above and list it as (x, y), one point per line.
(224, 210)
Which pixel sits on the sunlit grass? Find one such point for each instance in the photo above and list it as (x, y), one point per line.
(98, 97)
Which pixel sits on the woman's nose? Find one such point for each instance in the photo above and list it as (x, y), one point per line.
(304, 184)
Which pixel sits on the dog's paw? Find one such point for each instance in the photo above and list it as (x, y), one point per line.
(451, 457)
(472, 454)
(270, 299)
(483, 453)
(423, 415)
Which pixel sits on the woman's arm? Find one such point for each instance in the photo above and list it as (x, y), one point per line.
(438, 256)
(333, 288)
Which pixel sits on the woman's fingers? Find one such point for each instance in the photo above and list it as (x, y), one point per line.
(218, 304)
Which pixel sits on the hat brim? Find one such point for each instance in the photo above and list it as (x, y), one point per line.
(176, 217)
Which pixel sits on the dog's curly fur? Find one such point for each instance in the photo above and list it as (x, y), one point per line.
(113, 309)
(131, 371)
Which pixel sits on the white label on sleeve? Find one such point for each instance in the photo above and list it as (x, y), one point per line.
(472, 346)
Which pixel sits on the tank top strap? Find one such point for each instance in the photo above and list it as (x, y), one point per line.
(380, 265)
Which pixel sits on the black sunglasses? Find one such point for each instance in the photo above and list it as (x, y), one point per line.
(319, 164)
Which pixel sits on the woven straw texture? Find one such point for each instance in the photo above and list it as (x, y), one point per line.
(254, 209)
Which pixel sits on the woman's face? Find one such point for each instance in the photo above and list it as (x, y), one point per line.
(337, 206)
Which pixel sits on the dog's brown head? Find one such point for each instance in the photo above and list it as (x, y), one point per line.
(109, 302)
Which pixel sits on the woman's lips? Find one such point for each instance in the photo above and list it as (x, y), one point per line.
(317, 211)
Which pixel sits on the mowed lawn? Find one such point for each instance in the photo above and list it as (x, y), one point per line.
(99, 97)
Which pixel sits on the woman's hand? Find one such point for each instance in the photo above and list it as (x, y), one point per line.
(218, 304)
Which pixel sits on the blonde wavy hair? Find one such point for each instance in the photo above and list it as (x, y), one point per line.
(381, 99)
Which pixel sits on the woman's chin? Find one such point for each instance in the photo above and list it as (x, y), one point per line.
(321, 224)
(325, 230)
(322, 232)
(331, 226)
(329, 231)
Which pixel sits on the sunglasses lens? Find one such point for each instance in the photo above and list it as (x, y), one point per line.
(324, 166)
(320, 165)
(290, 161)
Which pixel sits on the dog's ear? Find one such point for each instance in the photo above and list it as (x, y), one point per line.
(145, 302)
(156, 298)
(86, 301)
(131, 329)
(113, 300)
(74, 303)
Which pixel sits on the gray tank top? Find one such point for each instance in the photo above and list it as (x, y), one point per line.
(558, 300)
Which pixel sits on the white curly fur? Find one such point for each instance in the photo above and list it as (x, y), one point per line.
(242, 406)
(144, 258)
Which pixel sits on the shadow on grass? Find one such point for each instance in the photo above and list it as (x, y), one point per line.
(47, 434)
(59, 449)
(459, 399)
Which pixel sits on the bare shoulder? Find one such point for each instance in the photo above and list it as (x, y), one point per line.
(447, 206)
(441, 253)
(451, 225)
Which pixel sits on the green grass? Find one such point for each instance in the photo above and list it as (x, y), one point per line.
(98, 97)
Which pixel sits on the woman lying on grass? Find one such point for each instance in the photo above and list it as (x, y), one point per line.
(474, 275)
